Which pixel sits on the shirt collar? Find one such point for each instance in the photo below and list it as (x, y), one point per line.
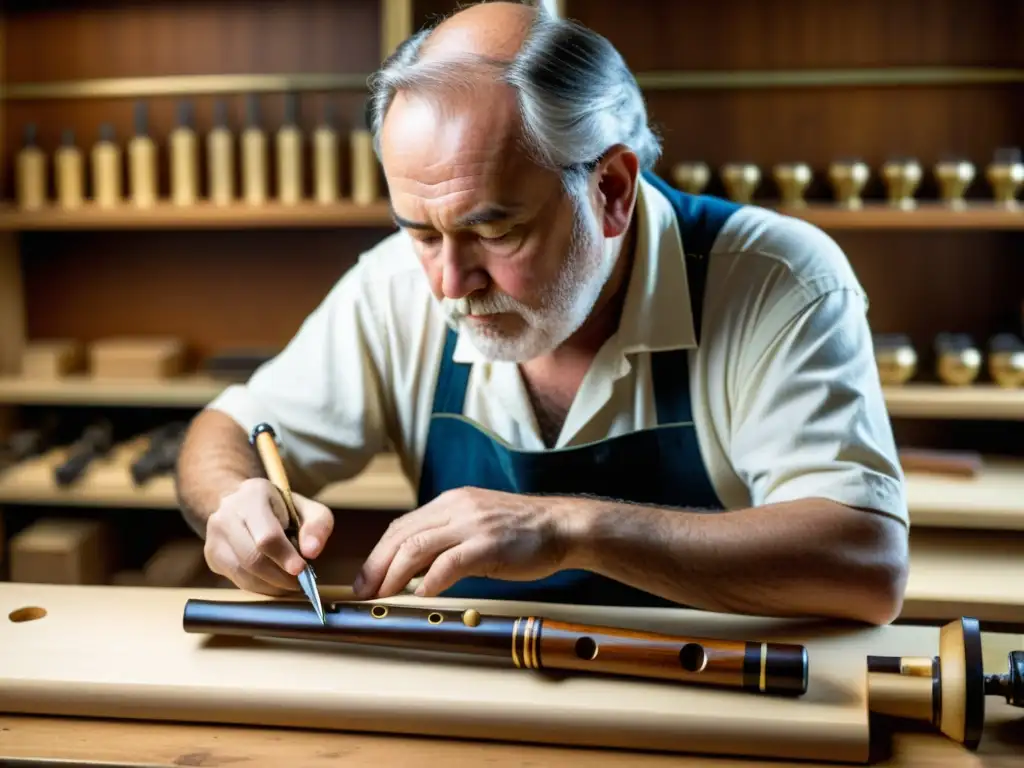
(657, 313)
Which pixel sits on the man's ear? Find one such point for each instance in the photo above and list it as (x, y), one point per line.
(617, 176)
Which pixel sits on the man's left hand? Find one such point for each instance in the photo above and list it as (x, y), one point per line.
(469, 532)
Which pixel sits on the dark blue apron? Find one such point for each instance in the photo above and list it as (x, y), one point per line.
(658, 466)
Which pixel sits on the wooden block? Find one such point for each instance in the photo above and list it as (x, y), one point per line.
(137, 358)
(51, 359)
(62, 551)
(180, 563)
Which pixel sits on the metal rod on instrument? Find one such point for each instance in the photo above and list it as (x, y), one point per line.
(527, 642)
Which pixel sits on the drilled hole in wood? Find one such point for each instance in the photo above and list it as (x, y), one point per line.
(692, 657)
(586, 648)
(30, 613)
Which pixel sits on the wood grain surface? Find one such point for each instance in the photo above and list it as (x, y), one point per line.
(121, 653)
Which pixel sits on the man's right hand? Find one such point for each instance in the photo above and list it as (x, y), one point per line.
(245, 539)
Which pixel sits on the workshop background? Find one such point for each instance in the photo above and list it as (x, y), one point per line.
(182, 182)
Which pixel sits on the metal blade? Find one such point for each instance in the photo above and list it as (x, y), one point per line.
(307, 580)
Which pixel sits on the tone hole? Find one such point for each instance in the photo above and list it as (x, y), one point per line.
(692, 657)
(586, 648)
(435, 618)
(30, 613)
(379, 611)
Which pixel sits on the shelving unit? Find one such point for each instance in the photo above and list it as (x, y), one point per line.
(716, 99)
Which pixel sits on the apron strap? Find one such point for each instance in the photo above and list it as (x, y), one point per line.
(700, 219)
(452, 379)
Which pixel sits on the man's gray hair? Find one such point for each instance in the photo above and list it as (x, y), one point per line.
(576, 96)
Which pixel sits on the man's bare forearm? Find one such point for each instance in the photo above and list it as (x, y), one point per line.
(215, 459)
(805, 558)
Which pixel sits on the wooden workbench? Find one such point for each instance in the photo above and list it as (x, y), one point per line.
(160, 744)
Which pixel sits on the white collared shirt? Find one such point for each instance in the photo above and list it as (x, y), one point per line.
(787, 401)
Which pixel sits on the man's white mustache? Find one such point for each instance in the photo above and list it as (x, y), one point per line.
(489, 305)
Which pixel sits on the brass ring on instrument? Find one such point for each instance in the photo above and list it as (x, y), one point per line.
(515, 638)
(763, 677)
(528, 652)
(379, 611)
(435, 618)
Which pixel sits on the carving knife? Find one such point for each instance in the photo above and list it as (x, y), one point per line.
(265, 440)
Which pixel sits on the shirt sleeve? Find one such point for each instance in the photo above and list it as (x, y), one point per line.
(810, 419)
(324, 393)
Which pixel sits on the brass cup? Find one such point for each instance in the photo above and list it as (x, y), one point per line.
(1006, 360)
(954, 177)
(1005, 175)
(902, 178)
(792, 180)
(740, 180)
(958, 360)
(691, 177)
(896, 359)
(848, 178)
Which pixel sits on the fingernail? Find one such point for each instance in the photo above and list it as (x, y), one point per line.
(313, 545)
(295, 567)
(359, 584)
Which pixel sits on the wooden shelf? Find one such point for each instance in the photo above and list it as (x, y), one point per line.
(927, 215)
(107, 484)
(992, 501)
(184, 392)
(938, 401)
(922, 401)
(965, 573)
(203, 215)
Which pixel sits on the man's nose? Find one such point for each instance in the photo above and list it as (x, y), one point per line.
(461, 274)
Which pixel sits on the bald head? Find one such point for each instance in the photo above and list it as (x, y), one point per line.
(495, 30)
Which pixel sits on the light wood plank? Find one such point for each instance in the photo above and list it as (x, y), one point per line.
(979, 401)
(186, 391)
(203, 215)
(929, 216)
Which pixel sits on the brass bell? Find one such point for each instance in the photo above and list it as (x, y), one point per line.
(691, 177)
(954, 177)
(902, 176)
(1006, 175)
(957, 359)
(848, 178)
(740, 180)
(792, 180)
(1006, 360)
(895, 357)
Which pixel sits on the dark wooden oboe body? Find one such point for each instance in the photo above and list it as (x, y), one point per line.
(528, 642)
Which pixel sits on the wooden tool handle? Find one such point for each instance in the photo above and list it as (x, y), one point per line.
(264, 438)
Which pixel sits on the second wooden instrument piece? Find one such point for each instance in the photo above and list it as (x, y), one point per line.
(948, 690)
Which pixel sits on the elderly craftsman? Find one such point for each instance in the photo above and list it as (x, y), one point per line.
(606, 391)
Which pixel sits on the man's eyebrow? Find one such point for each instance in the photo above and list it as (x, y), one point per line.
(487, 215)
